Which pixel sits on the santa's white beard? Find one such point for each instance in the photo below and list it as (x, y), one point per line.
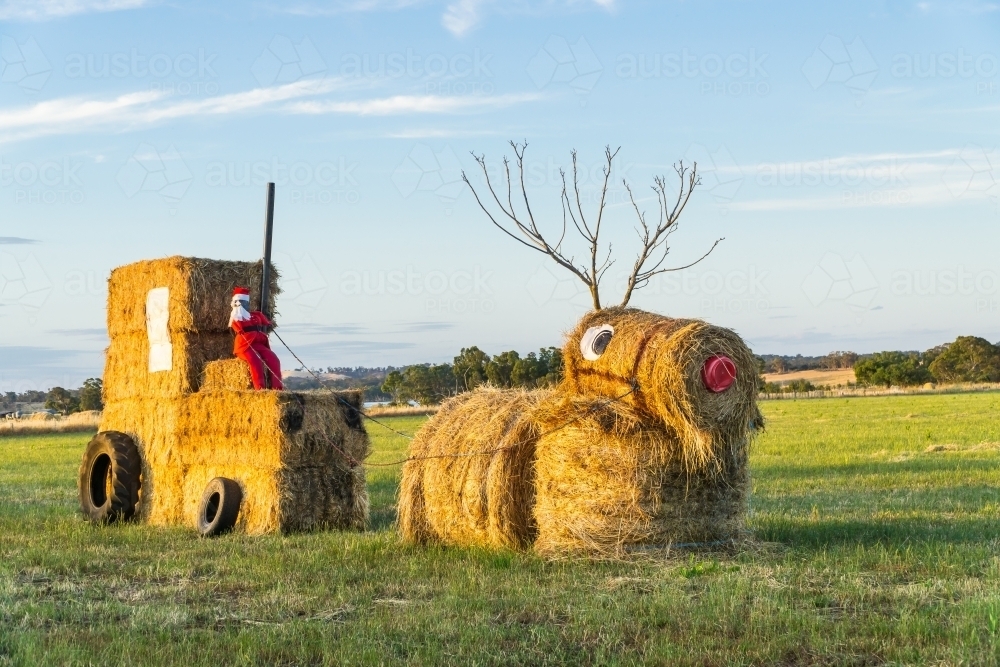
(239, 314)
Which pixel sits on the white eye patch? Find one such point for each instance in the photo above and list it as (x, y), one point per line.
(595, 340)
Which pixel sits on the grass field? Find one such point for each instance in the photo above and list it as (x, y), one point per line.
(877, 526)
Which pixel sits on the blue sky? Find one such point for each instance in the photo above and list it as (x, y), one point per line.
(848, 155)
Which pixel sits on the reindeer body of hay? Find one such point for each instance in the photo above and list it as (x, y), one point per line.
(632, 449)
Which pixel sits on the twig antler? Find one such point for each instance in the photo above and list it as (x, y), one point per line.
(654, 240)
(526, 232)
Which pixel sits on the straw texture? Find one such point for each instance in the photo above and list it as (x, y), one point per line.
(297, 456)
(485, 499)
(631, 450)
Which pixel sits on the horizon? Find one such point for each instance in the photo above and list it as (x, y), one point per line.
(848, 156)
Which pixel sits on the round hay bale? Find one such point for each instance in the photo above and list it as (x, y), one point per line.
(453, 492)
(610, 481)
(662, 358)
(41, 416)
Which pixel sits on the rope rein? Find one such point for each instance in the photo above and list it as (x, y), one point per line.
(495, 450)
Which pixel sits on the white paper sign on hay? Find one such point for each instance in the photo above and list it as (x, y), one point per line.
(161, 356)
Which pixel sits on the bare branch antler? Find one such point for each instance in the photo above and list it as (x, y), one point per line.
(656, 239)
(524, 229)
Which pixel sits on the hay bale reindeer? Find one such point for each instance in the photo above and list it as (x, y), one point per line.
(644, 443)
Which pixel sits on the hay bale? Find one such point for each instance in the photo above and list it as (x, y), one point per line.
(227, 374)
(478, 499)
(281, 447)
(664, 357)
(611, 481)
(631, 449)
(126, 365)
(200, 290)
(166, 358)
(41, 416)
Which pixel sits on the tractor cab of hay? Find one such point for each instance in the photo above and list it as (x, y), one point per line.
(184, 440)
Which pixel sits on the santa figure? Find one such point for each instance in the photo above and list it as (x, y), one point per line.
(251, 343)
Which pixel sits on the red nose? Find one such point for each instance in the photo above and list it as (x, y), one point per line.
(718, 373)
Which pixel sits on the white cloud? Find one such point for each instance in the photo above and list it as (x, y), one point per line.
(40, 10)
(342, 7)
(403, 104)
(894, 179)
(459, 17)
(462, 16)
(71, 115)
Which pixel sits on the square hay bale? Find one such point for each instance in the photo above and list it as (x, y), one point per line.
(297, 456)
(126, 365)
(167, 318)
(200, 290)
(610, 482)
(227, 374)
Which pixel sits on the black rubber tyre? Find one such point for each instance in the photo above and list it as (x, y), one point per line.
(110, 478)
(220, 505)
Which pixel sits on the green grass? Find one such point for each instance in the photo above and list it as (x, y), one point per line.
(872, 550)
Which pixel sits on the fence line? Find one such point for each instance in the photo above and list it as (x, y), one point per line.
(875, 391)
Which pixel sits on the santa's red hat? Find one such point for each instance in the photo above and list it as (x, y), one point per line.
(241, 293)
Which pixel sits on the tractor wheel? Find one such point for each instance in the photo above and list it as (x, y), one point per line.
(110, 478)
(220, 505)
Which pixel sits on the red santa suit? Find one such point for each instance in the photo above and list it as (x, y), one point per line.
(251, 344)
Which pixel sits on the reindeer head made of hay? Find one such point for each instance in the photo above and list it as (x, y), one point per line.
(693, 378)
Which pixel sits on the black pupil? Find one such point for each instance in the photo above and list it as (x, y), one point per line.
(601, 342)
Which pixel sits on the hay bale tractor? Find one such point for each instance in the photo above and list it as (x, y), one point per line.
(184, 439)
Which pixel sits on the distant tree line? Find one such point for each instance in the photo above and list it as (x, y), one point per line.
(776, 363)
(58, 399)
(967, 359)
(367, 380)
(428, 384)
